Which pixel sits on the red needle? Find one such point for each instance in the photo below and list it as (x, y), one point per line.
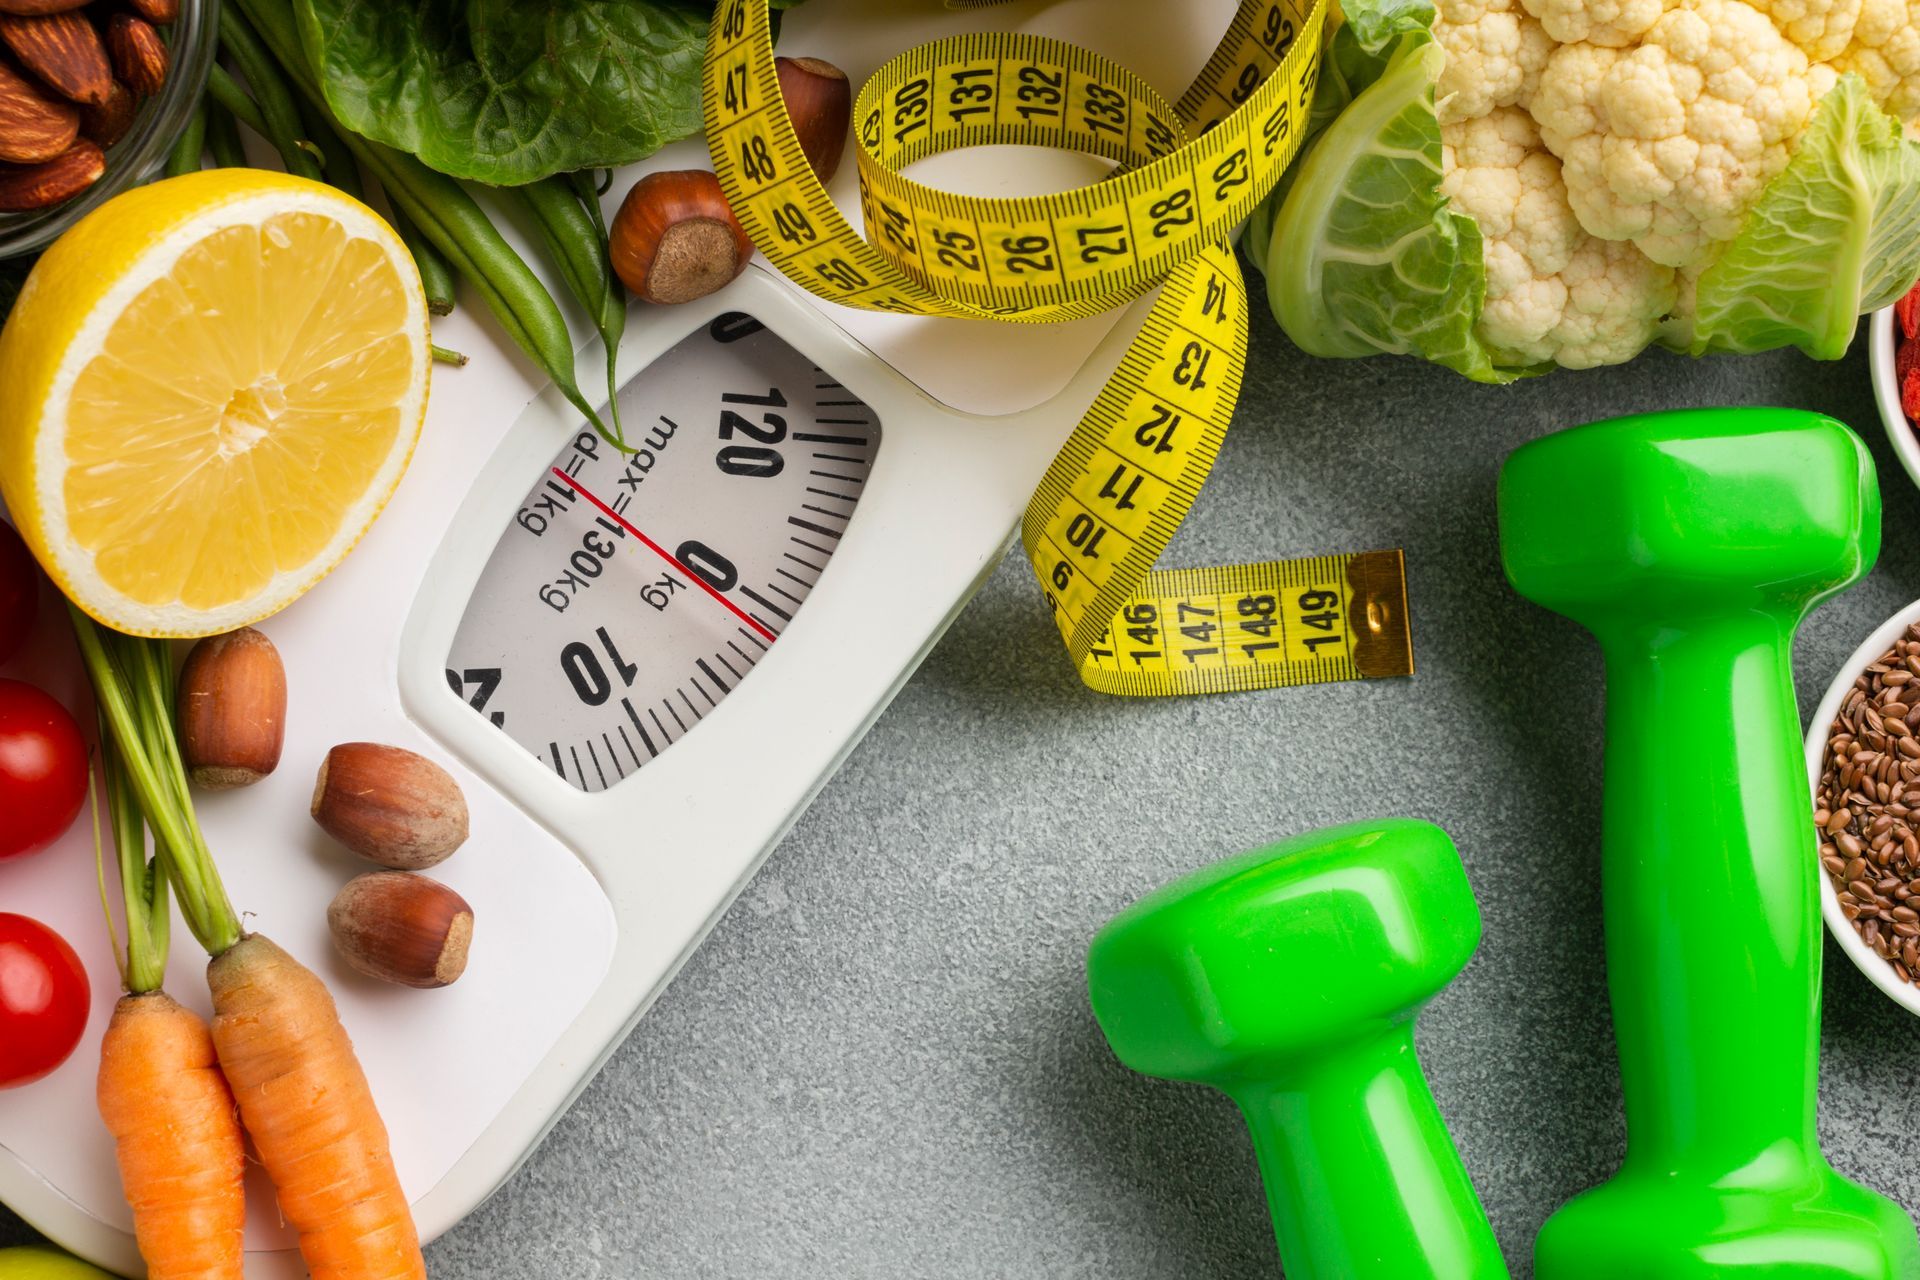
(662, 552)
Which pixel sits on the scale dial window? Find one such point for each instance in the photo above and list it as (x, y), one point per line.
(631, 593)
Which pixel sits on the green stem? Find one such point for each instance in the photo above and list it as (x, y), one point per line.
(187, 148)
(447, 355)
(131, 695)
(577, 244)
(226, 92)
(223, 138)
(143, 888)
(277, 109)
(436, 277)
(341, 168)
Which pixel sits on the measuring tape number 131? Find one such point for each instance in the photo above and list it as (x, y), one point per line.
(1188, 173)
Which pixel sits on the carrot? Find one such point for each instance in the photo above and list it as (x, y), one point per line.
(305, 1101)
(177, 1138)
(276, 1033)
(160, 1091)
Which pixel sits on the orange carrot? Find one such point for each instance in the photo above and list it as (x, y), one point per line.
(177, 1138)
(301, 1093)
(306, 1104)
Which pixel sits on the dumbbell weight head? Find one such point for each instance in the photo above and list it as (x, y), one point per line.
(1249, 967)
(1290, 978)
(1695, 511)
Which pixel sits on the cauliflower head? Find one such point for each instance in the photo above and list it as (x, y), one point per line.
(1555, 292)
(1885, 50)
(1669, 143)
(1495, 50)
(1510, 185)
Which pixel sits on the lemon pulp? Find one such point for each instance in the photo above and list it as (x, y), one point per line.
(206, 449)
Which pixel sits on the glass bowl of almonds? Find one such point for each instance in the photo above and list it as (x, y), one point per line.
(93, 94)
(1863, 754)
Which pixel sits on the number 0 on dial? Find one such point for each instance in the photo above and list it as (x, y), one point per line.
(630, 593)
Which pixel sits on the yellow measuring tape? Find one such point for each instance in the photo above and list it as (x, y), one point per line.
(1188, 173)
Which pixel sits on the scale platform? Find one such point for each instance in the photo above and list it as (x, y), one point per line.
(639, 668)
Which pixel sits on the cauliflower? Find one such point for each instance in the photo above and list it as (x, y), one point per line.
(1574, 179)
(1822, 28)
(1667, 144)
(1613, 23)
(1885, 51)
(1555, 293)
(1495, 53)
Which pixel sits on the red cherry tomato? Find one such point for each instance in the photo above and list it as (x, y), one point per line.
(44, 999)
(19, 591)
(43, 770)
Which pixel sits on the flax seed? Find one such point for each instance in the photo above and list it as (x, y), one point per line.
(1868, 847)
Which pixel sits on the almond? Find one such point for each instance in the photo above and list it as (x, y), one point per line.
(34, 125)
(107, 123)
(158, 12)
(58, 180)
(139, 56)
(389, 804)
(65, 51)
(232, 710)
(31, 8)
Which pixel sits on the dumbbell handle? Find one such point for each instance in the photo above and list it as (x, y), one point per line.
(1363, 1180)
(1713, 952)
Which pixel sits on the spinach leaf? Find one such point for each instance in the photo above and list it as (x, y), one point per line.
(511, 91)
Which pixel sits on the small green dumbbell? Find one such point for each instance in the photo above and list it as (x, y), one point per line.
(1691, 544)
(1289, 979)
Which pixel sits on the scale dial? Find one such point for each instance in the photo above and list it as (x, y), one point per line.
(630, 593)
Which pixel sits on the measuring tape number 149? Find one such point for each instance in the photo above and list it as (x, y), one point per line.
(1188, 173)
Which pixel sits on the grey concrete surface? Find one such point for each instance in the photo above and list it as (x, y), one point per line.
(882, 1064)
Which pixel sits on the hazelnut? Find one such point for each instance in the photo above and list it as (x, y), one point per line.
(820, 104)
(400, 927)
(232, 708)
(389, 804)
(675, 238)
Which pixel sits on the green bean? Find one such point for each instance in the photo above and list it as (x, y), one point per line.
(337, 162)
(277, 110)
(185, 156)
(223, 138)
(577, 244)
(450, 218)
(446, 355)
(226, 91)
(436, 277)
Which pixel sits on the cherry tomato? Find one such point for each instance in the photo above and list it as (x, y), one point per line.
(19, 591)
(43, 770)
(44, 999)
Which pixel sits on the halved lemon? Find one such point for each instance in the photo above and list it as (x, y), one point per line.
(208, 389)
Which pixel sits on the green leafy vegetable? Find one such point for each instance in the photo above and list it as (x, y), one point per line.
(511, 91)
(1362, 254)
(1836, 234)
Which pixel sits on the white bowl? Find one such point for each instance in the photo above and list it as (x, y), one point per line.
(1906, 441)
(1878, 971)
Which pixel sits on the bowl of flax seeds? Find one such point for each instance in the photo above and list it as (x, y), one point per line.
(1863, 754)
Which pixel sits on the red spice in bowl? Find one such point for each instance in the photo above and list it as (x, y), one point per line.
(1906, 357)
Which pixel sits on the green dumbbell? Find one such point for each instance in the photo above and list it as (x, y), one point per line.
(1289, 979)
(1691, 544)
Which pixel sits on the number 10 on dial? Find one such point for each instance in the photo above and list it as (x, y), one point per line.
(630, 593)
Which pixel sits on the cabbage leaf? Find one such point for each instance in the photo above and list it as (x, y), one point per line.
(1834, 235)
(1362, 253)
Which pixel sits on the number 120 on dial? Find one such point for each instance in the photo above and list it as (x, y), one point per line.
(631, 592)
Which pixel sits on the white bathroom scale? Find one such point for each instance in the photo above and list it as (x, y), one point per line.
(640, 668)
